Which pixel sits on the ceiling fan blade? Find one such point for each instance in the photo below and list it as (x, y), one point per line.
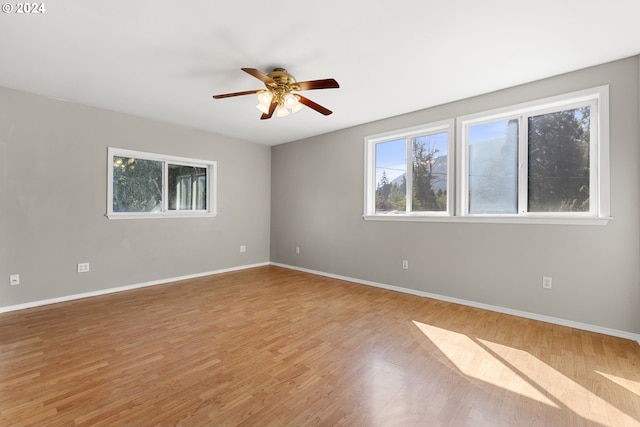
(272, 108)
(317, 84)
(228, 95)
(309, 103)
(259, 75)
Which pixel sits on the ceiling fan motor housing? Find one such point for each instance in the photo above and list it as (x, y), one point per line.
(282, 77)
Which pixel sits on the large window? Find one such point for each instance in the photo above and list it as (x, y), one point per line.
(541, 162)
(143, 185)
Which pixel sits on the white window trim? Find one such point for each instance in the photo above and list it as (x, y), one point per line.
(212, 182)
(370, 169)
(599, 167)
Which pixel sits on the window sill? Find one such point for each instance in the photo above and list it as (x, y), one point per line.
(159, 215)
(494, 219)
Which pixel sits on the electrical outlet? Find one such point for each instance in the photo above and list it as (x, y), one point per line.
(83, 267)
(405, 264)
(297, 249)
(547, 282)
(14, 279)
(243, 248)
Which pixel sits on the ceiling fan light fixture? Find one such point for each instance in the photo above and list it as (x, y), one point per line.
(264, 101)
(298, 105)
(263, 108)
(265, 97)
(290, 100)
(282, 111)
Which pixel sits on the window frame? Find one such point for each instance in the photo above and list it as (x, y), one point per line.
(458, 203)
(165, 212)
(408, 134)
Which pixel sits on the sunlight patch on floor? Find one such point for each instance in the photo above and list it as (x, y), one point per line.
(520, 372)
(632, 386)
(476, 362)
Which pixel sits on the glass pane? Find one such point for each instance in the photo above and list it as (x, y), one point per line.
(493, 167)
(201, 193)
(391, 176)
(430, 173)
(559, 161)
(187, 187)
(137, 185)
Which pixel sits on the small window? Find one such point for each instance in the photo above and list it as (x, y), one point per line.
(408, 172)
(147, 185)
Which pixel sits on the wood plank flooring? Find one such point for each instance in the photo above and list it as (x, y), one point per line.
(276, 347)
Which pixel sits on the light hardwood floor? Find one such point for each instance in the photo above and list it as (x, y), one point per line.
(276, 347)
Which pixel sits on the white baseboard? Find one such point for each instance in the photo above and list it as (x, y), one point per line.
(524, 314)
(519, 313)
(123, 288)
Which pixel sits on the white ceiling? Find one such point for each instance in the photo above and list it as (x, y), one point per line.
(164, 59)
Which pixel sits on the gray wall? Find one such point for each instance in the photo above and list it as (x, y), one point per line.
(53, 158)
(317, 204)
(53, 200)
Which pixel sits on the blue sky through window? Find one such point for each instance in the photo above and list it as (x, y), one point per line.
(487, 131)
(391, 156)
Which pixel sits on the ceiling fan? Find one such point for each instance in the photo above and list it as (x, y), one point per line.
(280, 93)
